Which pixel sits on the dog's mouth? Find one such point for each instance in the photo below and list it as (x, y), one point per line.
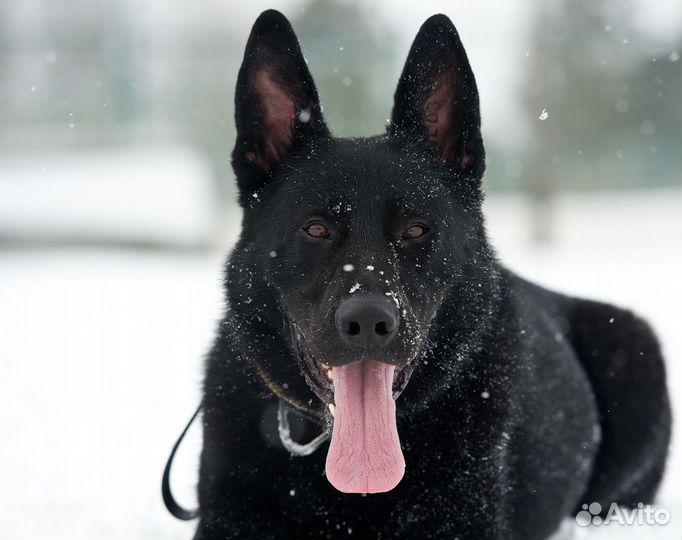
(364, 453)
(320, 376)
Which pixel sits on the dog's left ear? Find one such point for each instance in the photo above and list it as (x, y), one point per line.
(276, 102)
(437, 99)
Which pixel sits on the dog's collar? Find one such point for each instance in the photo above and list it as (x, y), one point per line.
(286, 407)
(299, 407)
(295, 448)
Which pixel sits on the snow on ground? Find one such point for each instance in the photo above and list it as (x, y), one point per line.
(101, 360)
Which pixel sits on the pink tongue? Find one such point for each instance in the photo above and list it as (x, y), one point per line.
(364, 454)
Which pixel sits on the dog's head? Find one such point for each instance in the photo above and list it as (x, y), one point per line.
(353, 249)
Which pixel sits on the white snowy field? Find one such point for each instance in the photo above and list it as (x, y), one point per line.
(101, 355)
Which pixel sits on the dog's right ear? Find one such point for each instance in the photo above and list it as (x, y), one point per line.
(276, 102)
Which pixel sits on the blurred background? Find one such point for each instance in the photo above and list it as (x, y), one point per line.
(117, 207)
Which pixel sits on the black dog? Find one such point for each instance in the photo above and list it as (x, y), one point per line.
(362, 264)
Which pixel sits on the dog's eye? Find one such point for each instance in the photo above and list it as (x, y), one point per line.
(414, 231)
(316, 230)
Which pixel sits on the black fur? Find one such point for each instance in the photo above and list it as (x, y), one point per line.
(523, 403)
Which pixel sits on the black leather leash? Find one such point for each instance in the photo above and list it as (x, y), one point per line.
(171, 504)
(295, 448)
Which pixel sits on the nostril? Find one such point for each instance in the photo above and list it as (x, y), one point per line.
(381, 329)
(368, 322)
(353, 328)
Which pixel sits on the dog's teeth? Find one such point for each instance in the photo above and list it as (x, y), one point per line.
(330, 374)
(332, 409)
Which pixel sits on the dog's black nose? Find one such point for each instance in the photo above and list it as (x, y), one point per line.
(367, 321)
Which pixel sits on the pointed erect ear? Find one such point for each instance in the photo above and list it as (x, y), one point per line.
(276, 102)
(437, 99)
